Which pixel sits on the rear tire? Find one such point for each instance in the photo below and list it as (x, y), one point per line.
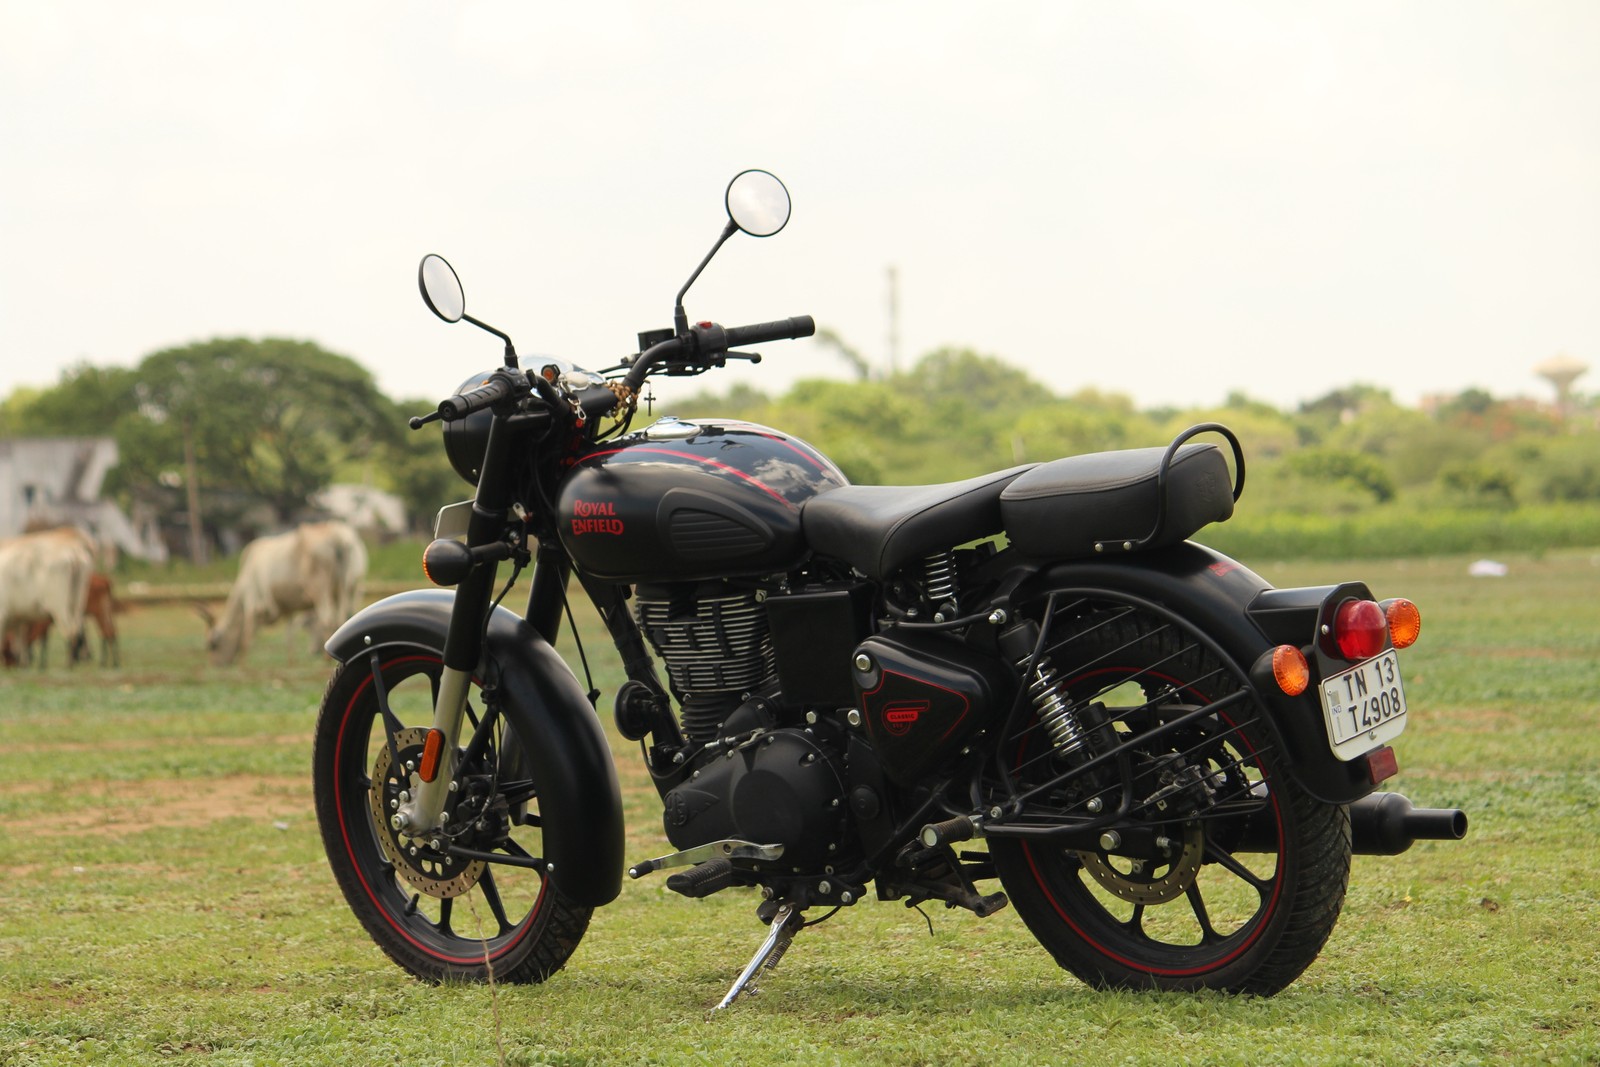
(439, 918)
(1254, 874)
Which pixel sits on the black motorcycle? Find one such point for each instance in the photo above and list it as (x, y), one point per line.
(1030, 678)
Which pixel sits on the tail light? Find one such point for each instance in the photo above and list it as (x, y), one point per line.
(1359, 629)
(1405, 621)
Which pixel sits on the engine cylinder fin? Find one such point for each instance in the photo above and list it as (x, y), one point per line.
(716, 648)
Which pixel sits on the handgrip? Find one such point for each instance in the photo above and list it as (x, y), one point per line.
(498, 387)
(782, 329)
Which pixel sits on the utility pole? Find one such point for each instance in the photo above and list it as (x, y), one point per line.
(894, 319)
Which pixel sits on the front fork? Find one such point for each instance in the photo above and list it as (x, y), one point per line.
(423, 813)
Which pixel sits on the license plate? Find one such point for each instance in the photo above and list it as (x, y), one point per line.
(1364, 706)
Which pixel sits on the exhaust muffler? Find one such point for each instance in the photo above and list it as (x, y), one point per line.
(1386, 824)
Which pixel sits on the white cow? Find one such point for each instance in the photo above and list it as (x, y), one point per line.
(315, 569)
(44, 577)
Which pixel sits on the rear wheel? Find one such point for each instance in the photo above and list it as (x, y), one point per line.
(1219, 872)
(438, 916)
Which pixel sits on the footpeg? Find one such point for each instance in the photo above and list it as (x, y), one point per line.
(785, 924)
(703, 879)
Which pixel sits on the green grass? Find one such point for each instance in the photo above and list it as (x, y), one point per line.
(1401, 530)
(168, 901)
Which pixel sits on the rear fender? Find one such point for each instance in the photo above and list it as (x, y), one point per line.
(1244, 618)
(579, 800)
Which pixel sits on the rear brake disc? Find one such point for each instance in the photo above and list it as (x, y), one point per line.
(1147, 881)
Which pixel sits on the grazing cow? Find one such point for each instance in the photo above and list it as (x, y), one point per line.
(315, 569)
(44, 577)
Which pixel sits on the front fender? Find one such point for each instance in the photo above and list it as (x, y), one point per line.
(579, 800)
(1244, 616)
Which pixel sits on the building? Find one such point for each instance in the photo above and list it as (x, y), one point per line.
(57, 481)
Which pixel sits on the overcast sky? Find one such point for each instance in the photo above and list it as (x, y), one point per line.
(1172, 201)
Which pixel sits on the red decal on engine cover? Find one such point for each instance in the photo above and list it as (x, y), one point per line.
(901, 717)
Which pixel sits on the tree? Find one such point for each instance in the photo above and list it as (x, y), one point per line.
(415, 467)
(272, 417)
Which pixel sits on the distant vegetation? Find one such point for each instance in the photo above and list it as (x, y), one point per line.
(1350, 473)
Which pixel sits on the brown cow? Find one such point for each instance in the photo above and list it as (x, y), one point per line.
(45, 577)
(100, 604)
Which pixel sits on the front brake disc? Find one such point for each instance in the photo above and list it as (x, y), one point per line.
(419, 866)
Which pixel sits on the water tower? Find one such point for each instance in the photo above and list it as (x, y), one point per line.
(1561, 371)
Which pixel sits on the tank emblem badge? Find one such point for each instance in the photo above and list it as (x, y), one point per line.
(899, 718)
(598, 517)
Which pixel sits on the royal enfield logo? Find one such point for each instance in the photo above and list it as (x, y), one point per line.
(601, 518)
(900, 717)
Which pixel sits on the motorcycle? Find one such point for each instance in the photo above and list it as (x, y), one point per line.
(1027, 688)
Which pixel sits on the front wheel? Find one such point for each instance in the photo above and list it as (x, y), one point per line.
(1215, 871)
(439, 916)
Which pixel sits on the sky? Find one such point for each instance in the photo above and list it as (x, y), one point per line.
(1167, 200)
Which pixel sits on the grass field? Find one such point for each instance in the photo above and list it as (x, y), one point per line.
(168, 901)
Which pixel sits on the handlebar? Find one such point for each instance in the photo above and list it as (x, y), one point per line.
(706, 340)
(761, 332)
(503, 384)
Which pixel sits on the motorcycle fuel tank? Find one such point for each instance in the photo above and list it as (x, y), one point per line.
(685, 501)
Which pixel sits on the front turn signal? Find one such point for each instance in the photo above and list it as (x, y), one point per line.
(1290, 670)
(1405, 621)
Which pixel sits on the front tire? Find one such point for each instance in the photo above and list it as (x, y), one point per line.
(1252, 871)
(439, 917)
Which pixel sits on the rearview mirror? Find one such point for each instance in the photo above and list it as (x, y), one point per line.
(441, 289)
(758, 203)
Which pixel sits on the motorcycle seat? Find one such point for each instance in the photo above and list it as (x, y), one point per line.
(877, 529)
(1107, 502)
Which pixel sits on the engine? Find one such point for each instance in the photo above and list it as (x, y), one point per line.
(752, 776)
(716, 645)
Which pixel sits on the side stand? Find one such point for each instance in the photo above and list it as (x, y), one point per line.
(785, 923)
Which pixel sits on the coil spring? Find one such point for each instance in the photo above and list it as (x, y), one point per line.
(939, 577)
(1054, 709)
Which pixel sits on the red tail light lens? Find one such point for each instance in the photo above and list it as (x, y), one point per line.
(1359, 629)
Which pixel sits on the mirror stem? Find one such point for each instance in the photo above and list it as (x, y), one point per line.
(511, 352)
(680, 320)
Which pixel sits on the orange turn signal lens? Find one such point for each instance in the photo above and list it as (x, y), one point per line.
(1405, 621)
(1290, 670)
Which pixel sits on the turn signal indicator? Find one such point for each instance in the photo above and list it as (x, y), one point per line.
(1290, 670)
(1405, 621)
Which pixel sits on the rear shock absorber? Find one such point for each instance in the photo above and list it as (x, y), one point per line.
(1051, 702)
(1054, 708)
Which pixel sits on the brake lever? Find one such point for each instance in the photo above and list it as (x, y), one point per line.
(753, 357)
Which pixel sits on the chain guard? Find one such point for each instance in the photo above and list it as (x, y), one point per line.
(1142, 886)
(425, 871)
